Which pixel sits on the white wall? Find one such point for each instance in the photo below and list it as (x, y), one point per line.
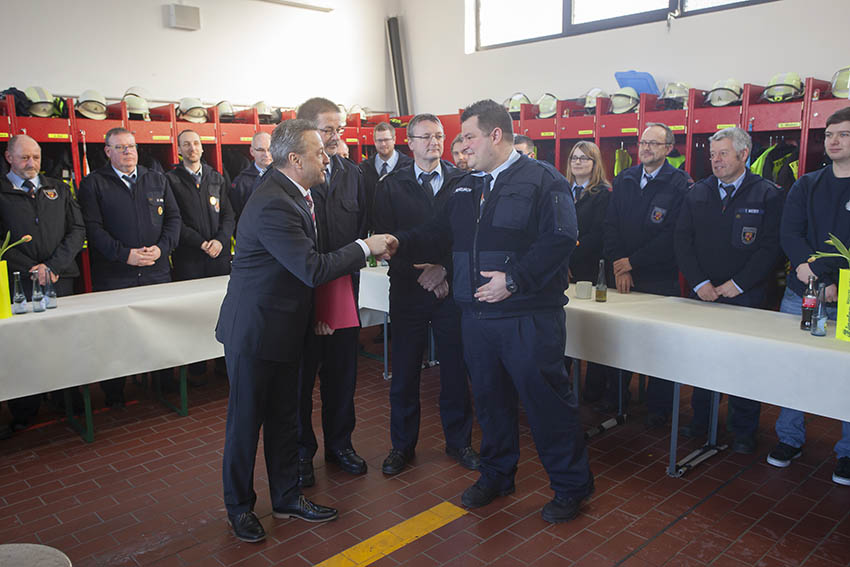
(245, 51)
(750, 44)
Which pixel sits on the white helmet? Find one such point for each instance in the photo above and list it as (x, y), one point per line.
(225, 111)
(92, 104)
(590, 99)
(725, 92)
(136, 105)
(191, 110)
(547, 106)
(624, 100)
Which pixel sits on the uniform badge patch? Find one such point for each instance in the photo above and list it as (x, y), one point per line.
(748, 234)
(159, 211)
(847, 205)
(215, 203)
(51, 194)
(657, 215)
(463, 190)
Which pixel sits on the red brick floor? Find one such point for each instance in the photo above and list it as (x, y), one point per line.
(147, 492)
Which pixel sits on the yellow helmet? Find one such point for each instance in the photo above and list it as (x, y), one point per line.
(841, 83)
(783, 87)
(41, 101)
(547, 106)
(725, 92)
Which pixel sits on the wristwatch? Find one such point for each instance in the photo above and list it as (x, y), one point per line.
(510, 284)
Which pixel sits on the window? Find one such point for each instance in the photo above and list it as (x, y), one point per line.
(499, 23)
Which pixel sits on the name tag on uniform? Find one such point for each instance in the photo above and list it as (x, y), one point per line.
(751, 211)
(463, 190)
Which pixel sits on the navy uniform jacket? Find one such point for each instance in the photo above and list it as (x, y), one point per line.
(371, 178)
(814, 208)
(54, 221)
(639, 225)
(242, 187)
(591, 208)
(206, 214)
(340, 206)
(740, 243)
(117, 221)
(402, 204)
(527, 228)
(266, 312)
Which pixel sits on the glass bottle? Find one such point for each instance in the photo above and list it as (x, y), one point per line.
(37, 294)
(50, 300)
(19, 300)
(810, 302)
(601, 284)
(819, 318)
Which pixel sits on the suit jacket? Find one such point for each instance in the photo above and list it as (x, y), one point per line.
(269, 301)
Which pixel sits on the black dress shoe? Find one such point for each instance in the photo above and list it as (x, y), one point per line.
(467, 457)
(348, 460)
(479, 495)
(744, 445)
(247, 527)
(655, 420)
(565, 508)
(306, 477)
(694, 429)
(395, 462)
(305, 510)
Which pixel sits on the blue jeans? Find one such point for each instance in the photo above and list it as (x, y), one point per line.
(791, 426)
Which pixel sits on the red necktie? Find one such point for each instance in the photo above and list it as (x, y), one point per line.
(312, 208)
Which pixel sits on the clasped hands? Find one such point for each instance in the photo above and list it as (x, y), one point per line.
(144, 256)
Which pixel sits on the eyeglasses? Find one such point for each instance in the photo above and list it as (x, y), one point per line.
(428, 138)
(121, 148)
(261, 150)
(652, 144)
(383, 140)
(580, 159)
(329, 131)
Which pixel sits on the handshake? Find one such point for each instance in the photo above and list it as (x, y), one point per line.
(382, 246)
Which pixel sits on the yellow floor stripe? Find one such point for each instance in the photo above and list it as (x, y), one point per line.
(368, 551)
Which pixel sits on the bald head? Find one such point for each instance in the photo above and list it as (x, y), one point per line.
(24, 156)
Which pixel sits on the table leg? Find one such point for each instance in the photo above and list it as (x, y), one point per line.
(674, 433)
(610, 423)
(87, 431)
(183, 410)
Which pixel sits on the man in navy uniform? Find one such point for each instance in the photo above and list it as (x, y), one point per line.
(263, 322)
(341, 218)
(818, 204)
(638, 235)
(45, 209)
(404, 199)
(245, 182)
(511, 227)
(727, 241)
(133, 224)
(386, 160)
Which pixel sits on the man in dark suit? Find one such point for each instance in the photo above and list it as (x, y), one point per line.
(404, 199)
(386, 160)
(332, 353)
(263, 321)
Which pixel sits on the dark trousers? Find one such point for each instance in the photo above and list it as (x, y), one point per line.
(521, 359)
(411, 309)
(335, 358)
(262, 394)
(744, 413)
(23, 409)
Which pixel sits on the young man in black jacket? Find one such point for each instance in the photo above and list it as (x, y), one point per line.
(405, 199)
(386, 159)
(817, 205)
(511, 227)
(727, 241)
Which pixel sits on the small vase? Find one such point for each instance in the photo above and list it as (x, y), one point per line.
(5, 295)
(842, 326)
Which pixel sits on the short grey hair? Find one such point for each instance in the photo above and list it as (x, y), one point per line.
(669, 137)
(12, 145)
(740, 139)
(287, 138)
(423, 117)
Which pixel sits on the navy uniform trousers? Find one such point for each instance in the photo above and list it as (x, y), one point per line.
(743, 413)
(411, 308)
(266, 392)
(335, 358)
(521, 358)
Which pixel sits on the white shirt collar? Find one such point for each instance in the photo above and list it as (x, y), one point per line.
(514, 155)
(18, 182)
(391, 163)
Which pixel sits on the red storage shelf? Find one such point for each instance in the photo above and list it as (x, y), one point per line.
(762, 116)
(710, 119)
(233, 133)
